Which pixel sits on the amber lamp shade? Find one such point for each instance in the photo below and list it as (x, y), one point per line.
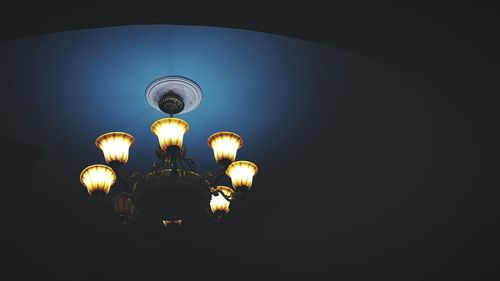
(170, 131)
(123, 206)
(218, 203)
(115, 146)
(242, 173)
(225, 145)
(169, 222)
(97, 178)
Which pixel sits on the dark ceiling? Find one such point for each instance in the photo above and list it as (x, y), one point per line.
(410, 192)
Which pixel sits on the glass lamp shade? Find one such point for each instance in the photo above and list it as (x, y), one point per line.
(225, 145)
(218, 202)
(170, 131)
(97, 178)
(168, 222)
(115, 146)
(123, 206)
(241, 173)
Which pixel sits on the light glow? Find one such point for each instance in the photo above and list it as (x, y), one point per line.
(97, 178)
(218, 202)
(176, 222)
(225, 145)
(242, 173)
(115, 146)
(170, 131)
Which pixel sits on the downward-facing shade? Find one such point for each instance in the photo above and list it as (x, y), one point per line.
(123, 206)
(115, 146)
(225, 145)
(97, 178)
(170, 131)
(218, 202)
(241, 173)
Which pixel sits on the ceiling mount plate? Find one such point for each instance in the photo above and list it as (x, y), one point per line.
(185, 88)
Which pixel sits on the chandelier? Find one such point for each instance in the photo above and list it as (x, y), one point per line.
(172, 191)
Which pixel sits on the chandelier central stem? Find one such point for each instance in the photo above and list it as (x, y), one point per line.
(173, 156)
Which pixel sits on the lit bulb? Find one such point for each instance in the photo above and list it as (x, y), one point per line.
(170, 131)
(225, 145)
(115, 146)
(97, 178)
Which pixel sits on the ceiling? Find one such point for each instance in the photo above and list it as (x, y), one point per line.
(374, 134)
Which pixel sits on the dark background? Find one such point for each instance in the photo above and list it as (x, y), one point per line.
(431, 211)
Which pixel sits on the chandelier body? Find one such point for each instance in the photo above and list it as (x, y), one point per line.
(172, 192)
(171, 195)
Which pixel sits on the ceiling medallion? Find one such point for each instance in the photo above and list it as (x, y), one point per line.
(172, 192)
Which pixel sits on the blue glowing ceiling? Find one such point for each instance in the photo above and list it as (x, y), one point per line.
(68, 88)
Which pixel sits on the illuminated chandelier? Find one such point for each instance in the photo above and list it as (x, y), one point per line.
(172, 192)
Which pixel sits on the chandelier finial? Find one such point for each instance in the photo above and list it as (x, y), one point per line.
(171, 103)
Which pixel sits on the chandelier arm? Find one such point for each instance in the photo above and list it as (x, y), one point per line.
(174, 166)
(158, 165)
(116, 196)
(174, 155)
(217, 179)
(128, 181)
(119, 176)
(231, 198)
(181, 163)
(214, 178)
(166, 164)
(190, 163)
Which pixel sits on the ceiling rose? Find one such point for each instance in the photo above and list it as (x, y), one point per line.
(173, 192)
(186, 89)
